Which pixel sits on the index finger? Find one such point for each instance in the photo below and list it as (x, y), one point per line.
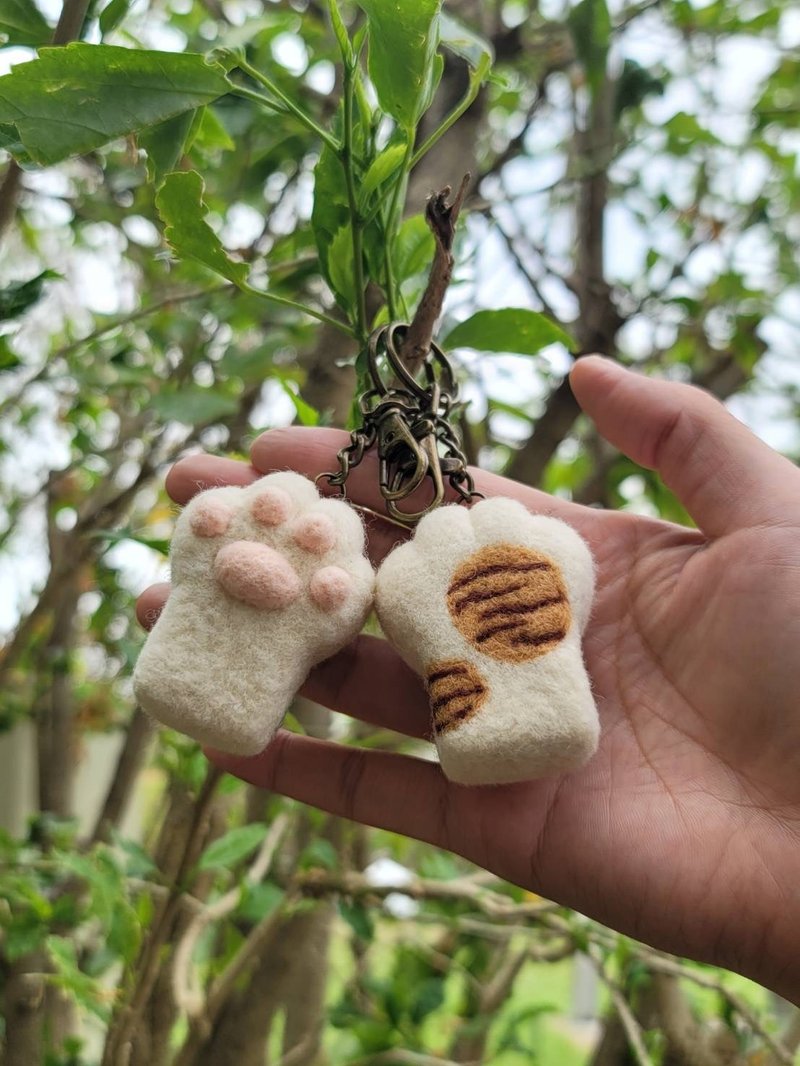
(313, 451)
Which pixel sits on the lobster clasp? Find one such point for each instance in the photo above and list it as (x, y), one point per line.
(429, 451)
(403, 461)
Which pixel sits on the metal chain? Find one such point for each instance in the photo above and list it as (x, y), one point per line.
(409, 420)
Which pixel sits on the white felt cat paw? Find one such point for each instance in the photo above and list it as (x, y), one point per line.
(267, 581)
(488, 605)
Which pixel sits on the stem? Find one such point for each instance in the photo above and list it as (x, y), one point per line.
(397, 192)
(257, 98)
(70, 21)
(142, 312)
(475, 82)
(346, 156)
(290, 105)
(284, 301)
(387, 259)
(390, 228)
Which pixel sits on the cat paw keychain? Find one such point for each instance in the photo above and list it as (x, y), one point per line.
(267, 581)
(487, 602)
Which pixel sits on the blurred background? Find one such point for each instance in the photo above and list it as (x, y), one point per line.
(153, 913)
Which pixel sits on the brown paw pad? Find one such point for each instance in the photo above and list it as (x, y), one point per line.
(510, 603)
(456, 690)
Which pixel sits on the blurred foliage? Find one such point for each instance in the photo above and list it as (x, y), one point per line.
(188, 235)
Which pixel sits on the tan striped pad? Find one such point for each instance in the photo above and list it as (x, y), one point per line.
(510, 602)
(456, 690)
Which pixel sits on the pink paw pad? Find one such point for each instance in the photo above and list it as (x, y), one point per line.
(257, 575)
(210, 518)
(315, 534)
(271, 507)
(330, 587)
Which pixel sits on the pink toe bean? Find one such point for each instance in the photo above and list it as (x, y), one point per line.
(271, 507)
(330, 587)
(315, 533)
(210, 518)
(256, 575)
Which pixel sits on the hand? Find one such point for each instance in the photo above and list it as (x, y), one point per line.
(684, 830)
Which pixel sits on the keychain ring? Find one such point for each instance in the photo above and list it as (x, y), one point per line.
(435, 356)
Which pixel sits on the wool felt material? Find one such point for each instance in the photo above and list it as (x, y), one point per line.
(268, 580)
(489, 605)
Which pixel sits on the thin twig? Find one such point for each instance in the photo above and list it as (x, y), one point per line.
(633, 1030)
(147, 967)
(188, 995)
(664, 964)
(441, 217)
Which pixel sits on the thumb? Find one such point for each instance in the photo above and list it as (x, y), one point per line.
(725, 477)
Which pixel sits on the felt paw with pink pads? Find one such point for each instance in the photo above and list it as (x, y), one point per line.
(267, 581)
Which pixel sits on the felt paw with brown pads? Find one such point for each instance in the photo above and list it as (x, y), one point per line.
(268, 580)
(456, 692)
(510, 602)
(489, 605)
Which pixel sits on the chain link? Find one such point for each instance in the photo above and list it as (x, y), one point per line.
(409, 420)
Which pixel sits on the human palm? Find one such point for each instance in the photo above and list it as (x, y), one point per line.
(683, 830)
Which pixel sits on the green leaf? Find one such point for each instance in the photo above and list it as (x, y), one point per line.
(306, 414)
(231, 848)
(259, 900)
(358, 918)
(319, 852)
(330, 219)
(331, 210)
(10, 142)
(76, 99)
(381, 168)
(340, 32)
(193, 405)
(340, 267)
(590, 25)
(467, 44)
(117, 536)
(512, 329)
(8, 360)
(124, 932)
(137, 862)
(509, 409)
(21, 23)
(414, 248)
(68, 975)
(180, 204)
(211, 133)
(165, 143)
(112, 14)
(15, 299)
(403, 37)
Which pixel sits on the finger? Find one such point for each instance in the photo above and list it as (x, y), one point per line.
(722, 473)
(150, 604)
(312, 451)
(377, 788)
(368, 680)
(196, 473)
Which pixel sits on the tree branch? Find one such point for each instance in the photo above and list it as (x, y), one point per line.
(633, 1030)
(441, 217)
(147, 966)
(187, 993)
(137, 736)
